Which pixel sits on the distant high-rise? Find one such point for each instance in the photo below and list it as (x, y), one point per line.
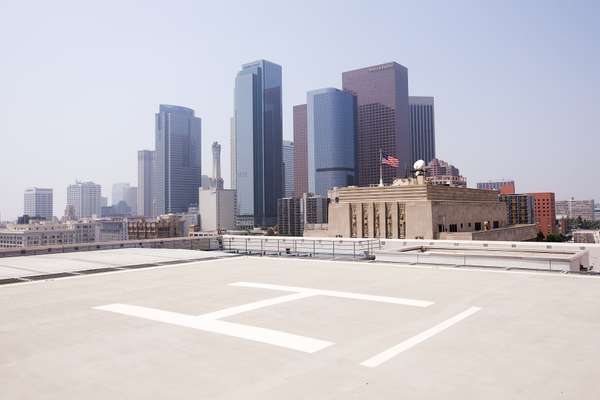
(300, 150)
(440, 172)
(85, 197)
(232, 152)
(177, 166)
(131, 194)
(422, 128)
(573, 209)
(118, 192)
(258, 139)
(331, 139)
(144, 193)
(216, 179)
(383, 119)
(502, 186)
(38, 202)
(288, 168)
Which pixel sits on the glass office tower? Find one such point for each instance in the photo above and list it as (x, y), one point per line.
(331, 139)
(258, 140)
(177, 163)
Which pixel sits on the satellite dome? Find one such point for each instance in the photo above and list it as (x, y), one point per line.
(419, 165)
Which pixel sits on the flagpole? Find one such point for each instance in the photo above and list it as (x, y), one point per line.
(380, 168)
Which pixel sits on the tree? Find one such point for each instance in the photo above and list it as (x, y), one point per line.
(540, 237)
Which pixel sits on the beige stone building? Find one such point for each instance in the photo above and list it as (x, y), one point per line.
(416, 209)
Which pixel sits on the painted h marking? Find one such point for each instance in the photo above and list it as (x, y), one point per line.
(392, 352)
(211, 322)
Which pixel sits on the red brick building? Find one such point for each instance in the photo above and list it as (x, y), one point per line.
(545, 212)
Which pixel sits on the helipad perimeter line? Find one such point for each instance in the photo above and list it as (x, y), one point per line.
(253, 333)
(392, 352)
(334, 293)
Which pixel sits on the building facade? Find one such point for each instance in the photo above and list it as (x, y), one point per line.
(258, 140)
(110, 230)
(573, 209)
(144, 199)
(300, 150)
(164, 226)
(383, 120)
(47, 234)
(290, 216)
(545, 212)
(331, 140)
(422, 128)
(85, 197)
(217, 209)
(287, 156)
(177, 166)
(520, 208)
(415, 209)
(502, 186)
(39, 203)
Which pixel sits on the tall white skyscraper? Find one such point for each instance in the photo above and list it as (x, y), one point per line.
(38, 202)
(287, 150)
(85, 197)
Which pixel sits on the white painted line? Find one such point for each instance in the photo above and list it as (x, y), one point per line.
(256, 334)
(333, 293)
(415, 340)
(228, 312)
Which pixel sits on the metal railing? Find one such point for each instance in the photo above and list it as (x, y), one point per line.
(301, 246)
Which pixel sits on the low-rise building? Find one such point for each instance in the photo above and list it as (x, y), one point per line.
(586, 236)
(47, 234)
(108, 230)
(502, 186)
(520, 208)
(416, 209)
(164, 226)
(217, 209)
(573, 209)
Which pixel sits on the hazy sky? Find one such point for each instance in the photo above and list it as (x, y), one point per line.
(516, 84)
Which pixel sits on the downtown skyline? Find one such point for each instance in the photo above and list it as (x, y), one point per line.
(505, 112)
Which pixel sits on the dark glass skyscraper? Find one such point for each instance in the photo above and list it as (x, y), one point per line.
(383, 119)
(422, 128)
(331, 139)
(177, 164)
(258, 140)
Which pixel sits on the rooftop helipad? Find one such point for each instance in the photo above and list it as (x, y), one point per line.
(291, 328)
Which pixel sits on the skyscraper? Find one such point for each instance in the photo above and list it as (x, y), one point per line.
(144, 200)
(383, 119)
(300, 150)
(216, 179)
(232, 171)
(288, 168)
(177, 166)
(331, 140)
(258, 139)
(118, 192)
(130, 197)
(422, 128)
(38, 202)
(85, 197)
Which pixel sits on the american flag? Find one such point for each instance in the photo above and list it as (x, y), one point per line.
(389, 160)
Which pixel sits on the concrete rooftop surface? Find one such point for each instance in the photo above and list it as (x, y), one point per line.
(295, 328)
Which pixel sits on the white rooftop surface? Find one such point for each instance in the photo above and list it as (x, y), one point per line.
(16, 267)
(290, 328)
